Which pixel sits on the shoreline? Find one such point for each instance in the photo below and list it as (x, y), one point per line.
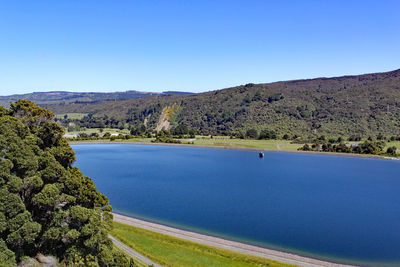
(351, 155)
(225, 243)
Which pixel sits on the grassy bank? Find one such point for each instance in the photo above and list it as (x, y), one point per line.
(171, 251)
(248, 143)
(223, 141)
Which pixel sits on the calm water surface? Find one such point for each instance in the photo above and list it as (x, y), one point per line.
(336, 208)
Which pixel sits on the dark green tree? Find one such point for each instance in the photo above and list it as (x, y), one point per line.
(391, 151)
(46, 205)
(252, 133)
(179, 130)
(267, 134)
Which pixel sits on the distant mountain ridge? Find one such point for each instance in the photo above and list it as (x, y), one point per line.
(177, 93)
(365, 105)
(65, 97)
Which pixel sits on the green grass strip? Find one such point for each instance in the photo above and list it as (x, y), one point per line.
(171, 251)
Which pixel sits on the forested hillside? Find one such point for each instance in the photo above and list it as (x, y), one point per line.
(365, 105)
(61, 97)
(47, 206)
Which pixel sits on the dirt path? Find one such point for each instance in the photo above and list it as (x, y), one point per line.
(225, 244)
(132, 252)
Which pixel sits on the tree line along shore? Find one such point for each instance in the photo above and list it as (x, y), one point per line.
(380, 145)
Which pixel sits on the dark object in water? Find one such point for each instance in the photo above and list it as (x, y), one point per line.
(261, 154)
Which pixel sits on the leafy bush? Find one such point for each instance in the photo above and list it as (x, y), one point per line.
(267, 134)
(367, 147)
(252, 133)
(391, 151)
(166, 139)
(179, 130)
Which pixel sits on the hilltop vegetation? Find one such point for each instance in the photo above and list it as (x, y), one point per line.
(363, 105)
(48, 207)
(61, 97)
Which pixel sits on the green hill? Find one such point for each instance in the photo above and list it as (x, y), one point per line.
(365, 105)
(62, 97)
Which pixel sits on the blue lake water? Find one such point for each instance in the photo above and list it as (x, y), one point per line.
(341, 209)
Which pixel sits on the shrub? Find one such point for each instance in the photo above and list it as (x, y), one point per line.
(252, 133)
(391, 151)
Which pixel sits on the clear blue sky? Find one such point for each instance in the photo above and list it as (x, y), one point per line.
(190, 45)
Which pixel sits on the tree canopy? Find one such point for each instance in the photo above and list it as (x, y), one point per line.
(47, 206)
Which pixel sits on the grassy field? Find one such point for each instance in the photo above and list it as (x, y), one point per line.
(171, 251)
(224, 141)
(265, 144)
(221, 141)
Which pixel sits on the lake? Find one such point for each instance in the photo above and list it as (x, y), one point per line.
(341, 209)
